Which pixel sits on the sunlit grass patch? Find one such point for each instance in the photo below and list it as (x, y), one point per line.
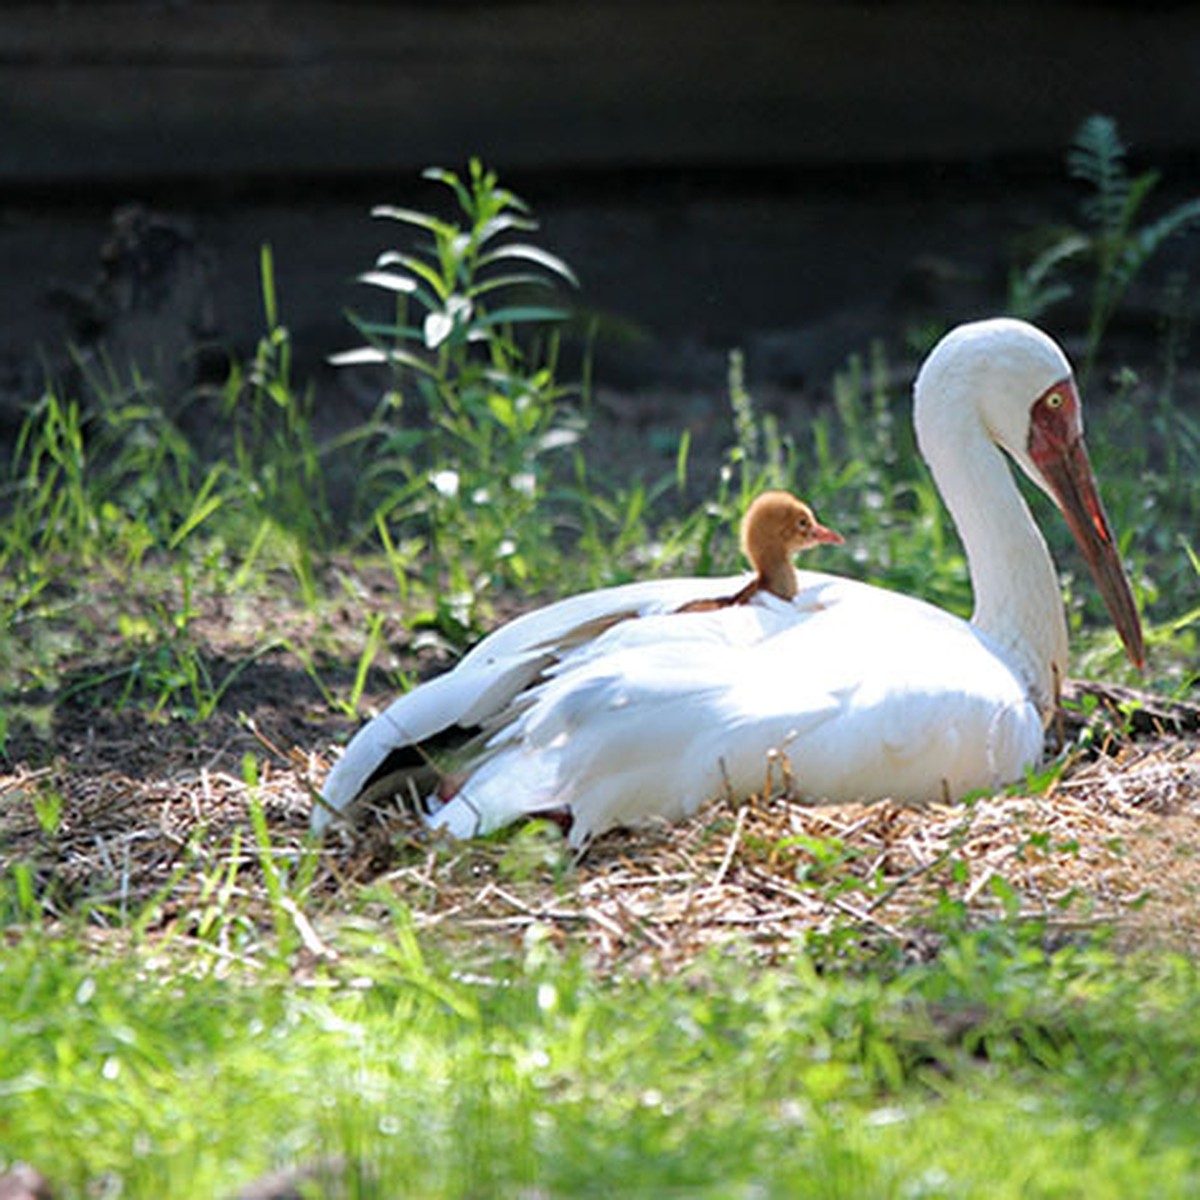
(421, 1078)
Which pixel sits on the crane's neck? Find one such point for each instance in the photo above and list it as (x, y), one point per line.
(1018, 602)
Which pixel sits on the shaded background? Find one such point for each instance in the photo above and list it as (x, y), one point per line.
(794, 179)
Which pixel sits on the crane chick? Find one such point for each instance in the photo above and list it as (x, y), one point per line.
(776, 526)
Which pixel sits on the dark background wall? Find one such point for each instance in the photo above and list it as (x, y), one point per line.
(785, 176)
(117, 91)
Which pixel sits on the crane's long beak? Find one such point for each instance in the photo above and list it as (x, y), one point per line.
(1069, 474)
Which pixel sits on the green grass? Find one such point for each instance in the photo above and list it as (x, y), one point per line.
(141, 1061)
(999, 1070)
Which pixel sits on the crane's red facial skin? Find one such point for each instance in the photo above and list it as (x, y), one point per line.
(1058, 451)
(1054, 422)
(1056, 445)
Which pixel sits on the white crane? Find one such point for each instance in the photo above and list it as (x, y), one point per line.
(612, 706)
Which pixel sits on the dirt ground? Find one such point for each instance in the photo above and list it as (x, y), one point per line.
(155, 809)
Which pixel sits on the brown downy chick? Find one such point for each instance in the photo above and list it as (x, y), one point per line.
(775, 527)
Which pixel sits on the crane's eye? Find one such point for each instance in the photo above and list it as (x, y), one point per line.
(1055, 400)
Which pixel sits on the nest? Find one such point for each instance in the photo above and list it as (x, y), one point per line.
(196, 848)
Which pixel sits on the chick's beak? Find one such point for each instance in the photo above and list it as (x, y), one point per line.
(820, 535)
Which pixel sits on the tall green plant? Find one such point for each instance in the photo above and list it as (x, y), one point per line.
(470, 341)
(1113, 239)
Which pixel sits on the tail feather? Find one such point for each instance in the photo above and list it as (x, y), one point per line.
(485, 692)
(460, 698)
(407, 722)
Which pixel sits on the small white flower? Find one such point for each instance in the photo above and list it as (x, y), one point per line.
(555, 439)
(446, 483)
(524, 482)
(459, 605)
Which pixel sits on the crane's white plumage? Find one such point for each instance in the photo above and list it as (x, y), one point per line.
(614, 706)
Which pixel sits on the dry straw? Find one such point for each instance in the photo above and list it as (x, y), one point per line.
(1114, 840)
